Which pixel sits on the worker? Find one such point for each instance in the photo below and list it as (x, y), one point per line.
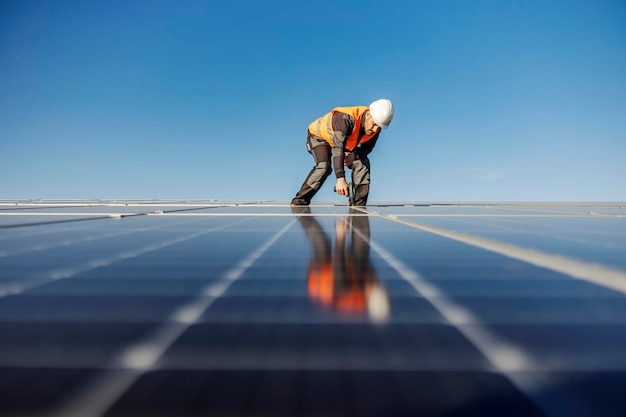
(349, 134)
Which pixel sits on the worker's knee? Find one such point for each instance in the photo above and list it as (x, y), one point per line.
(318, 175)
(361, 173)
(323, 168)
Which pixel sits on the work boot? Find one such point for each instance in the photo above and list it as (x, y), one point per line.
(299, 202)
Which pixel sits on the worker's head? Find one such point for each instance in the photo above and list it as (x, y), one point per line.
(369, 125)
(382, 112)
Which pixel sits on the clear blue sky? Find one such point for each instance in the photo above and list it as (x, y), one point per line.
(495, 100)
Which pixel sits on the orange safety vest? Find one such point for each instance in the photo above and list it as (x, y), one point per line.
(322, 127)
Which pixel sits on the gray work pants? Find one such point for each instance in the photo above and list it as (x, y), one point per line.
(321, 152)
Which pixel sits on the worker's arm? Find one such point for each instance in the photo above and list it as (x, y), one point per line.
(343, 124)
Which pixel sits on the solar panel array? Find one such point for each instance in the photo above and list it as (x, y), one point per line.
(189, 308)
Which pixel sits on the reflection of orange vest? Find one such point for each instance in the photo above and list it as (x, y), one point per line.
(322, 127)
(321, 283)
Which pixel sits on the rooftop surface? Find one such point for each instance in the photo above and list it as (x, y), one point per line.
(244, 308)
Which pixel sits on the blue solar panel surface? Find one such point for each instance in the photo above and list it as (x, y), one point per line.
(188, 308)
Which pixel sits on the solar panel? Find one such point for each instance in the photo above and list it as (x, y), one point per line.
(180, 308)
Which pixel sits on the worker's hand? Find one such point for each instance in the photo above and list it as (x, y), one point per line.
(348, 158)
(342, 187)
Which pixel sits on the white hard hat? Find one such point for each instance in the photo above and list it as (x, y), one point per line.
(382, 112)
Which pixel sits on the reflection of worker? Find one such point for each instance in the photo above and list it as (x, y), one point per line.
(344, 278)
(349, 135)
